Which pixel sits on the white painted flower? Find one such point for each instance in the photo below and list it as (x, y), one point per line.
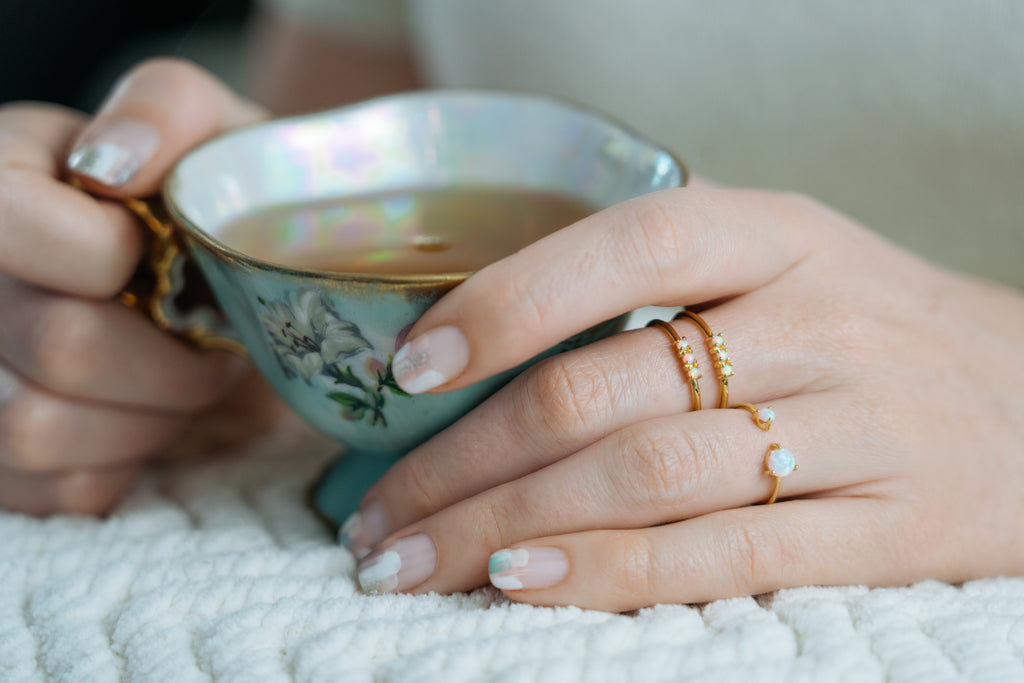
(306, 333)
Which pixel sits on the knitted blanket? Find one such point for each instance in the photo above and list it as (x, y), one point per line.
(218, 572)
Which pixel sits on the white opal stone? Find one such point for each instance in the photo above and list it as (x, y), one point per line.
(781, 462)
(766, 415)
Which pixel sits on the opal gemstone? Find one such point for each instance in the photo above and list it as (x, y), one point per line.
(781, 462)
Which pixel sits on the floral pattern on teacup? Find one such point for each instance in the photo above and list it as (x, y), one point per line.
(313, 343)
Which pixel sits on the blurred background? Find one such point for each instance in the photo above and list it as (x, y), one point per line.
(71, 51)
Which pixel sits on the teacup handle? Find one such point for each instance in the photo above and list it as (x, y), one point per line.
(168, 287)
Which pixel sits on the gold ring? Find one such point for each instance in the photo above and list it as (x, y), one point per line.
(778, 463)
(764, 418)
(719, 354)
(691, 370)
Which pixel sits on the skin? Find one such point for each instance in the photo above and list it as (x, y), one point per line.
(896, 384)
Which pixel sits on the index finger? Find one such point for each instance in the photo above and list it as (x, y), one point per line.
(674, 247)
(52, 234)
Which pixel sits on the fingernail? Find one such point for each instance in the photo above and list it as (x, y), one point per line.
(404, 564)
(520, 568)
(365, 528)
(430, 360)
(115, 152)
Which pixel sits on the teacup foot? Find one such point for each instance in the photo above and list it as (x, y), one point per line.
(338, 491)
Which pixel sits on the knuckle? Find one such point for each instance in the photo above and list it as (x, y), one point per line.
(31, 434)
(422, 488)
(492, 519)
(532, 312)
(172, 73)
(633, 559)
(115, 251)
(753, 555)
(659, 470)
(64, 342)
(569, 393)
(658, 237)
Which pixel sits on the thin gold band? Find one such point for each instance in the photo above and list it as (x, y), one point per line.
(719, 354)
(691, 370)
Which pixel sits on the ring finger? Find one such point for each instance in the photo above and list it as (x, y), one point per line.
(78, 491)
(664, 470)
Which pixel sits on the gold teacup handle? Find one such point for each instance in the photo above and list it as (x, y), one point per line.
(160, 281)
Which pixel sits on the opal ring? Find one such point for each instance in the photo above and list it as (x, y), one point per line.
(691, 369)
(778, 463)
(719, 354)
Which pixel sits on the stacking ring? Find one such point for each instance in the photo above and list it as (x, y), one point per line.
(778, 463)
(719, 354)
(691, 370)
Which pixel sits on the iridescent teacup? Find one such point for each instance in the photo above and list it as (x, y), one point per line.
(325, 340)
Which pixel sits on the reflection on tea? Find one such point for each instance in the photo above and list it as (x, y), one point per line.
(409, 232)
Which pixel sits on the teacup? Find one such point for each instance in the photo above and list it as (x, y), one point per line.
(325, 340)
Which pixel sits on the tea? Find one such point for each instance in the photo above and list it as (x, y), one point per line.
(404, 232)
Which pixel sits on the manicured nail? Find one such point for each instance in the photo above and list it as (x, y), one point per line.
(114, 153)
(404, 564)
(520, 568)
(365, 528)
(431, 359)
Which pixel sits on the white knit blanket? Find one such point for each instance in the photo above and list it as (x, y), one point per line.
(218, 572)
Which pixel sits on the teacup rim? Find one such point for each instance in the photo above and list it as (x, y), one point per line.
(228, 253)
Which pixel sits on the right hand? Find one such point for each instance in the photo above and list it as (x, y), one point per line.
(88, 388)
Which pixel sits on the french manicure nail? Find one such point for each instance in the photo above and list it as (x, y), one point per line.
(115, 152)
(523, 568)
(431, 359)
(365, 528)
(404, 564)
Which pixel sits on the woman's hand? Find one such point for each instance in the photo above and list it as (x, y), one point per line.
(88, 388)
(896, 385)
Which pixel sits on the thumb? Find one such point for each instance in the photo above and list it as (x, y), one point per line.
(157, 112)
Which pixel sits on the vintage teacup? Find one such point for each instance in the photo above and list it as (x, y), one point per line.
(325, 340)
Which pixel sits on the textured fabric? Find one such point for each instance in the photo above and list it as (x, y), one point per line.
(218, 572)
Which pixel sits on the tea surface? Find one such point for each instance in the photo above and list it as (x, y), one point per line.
(409, 232)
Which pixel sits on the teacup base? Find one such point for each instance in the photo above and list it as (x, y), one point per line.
(340, 488)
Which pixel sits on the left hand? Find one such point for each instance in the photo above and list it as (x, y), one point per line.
(897, 385)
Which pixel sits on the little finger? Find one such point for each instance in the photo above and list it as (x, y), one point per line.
(79, 491)
(736, 552)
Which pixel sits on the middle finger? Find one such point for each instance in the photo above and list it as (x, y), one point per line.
(101, 350)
